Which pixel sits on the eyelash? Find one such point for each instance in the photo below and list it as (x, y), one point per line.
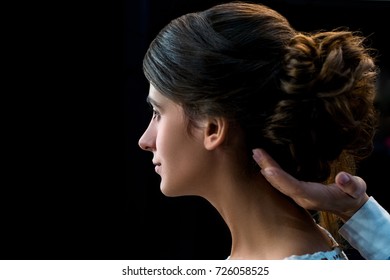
(156, 115)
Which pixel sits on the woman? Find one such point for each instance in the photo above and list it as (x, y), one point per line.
(238, 76)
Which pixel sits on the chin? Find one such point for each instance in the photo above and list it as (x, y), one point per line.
(172, 191)
(168, 192)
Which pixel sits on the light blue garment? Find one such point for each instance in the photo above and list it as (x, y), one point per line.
(368, 231)
(335, 254)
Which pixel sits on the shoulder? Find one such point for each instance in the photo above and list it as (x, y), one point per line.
(335, 254)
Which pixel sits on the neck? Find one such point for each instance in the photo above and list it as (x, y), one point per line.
(264, 224)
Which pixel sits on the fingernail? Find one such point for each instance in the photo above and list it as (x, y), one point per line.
(344, 179)
(256, 155)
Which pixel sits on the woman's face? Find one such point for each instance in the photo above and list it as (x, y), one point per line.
(179, 158)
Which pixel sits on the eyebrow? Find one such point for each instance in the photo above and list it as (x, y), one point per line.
(152, 102)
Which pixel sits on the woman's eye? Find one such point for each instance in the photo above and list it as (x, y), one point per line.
(156, 115)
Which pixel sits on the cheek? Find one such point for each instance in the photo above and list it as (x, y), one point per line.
(168, 142)
(184, 174)
(184, 165)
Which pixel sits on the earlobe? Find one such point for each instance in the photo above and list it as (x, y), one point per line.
(215, 133)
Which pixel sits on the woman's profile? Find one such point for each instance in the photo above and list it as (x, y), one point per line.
(236, 77)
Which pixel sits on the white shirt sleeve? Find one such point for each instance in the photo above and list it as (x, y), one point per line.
(368, 231)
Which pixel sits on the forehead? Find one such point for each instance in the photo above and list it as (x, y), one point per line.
(157, 99)
(154, 95)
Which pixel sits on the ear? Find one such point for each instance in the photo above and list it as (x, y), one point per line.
(215, 132)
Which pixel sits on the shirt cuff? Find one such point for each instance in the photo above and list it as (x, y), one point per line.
(368, 231)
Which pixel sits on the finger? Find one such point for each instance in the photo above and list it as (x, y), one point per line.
(308, 195)
(354, 186)
(284, 182)
(277, 177)
(263, 159)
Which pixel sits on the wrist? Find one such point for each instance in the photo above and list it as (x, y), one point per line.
(346, 215)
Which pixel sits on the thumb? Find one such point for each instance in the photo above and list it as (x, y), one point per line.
(354, 186)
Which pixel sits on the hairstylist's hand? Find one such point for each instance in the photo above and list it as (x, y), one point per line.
(343, 198)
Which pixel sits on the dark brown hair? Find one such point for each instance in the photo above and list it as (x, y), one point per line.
(307, 98)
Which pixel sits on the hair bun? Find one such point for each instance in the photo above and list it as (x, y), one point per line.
(329, 87)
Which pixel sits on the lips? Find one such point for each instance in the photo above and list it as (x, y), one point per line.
(157, 167)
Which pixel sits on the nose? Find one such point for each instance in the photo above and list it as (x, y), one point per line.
(147, 141)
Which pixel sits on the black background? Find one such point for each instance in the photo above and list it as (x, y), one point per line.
(75, 183)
